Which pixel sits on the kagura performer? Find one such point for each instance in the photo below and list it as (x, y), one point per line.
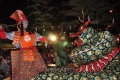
(29, 62)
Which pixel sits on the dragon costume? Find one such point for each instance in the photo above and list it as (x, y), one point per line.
(97, 58)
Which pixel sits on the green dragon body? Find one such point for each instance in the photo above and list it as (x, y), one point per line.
(95, 46)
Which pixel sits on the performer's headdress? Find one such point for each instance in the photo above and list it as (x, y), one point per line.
(21, 19)
(19, 16)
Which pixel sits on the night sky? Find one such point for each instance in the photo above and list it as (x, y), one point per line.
(7, 7)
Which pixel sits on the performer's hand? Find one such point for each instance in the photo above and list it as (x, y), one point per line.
(43, 39)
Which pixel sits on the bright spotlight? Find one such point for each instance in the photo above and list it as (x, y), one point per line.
(53, 38)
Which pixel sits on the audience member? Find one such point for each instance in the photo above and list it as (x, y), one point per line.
(4, 68)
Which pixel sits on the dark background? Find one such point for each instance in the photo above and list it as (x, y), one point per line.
(7, 7)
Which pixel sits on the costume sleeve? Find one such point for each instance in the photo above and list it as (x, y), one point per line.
(40, 38)
(2, 34)
(10, 35)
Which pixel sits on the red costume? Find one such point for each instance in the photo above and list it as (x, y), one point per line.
(26, 62)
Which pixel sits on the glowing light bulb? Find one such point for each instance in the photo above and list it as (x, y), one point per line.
(53, 38)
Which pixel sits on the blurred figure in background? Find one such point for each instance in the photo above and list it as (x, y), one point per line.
(4, 68)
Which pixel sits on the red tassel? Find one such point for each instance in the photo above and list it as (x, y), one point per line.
(104, 61)
(88, 68)
(114, 52)
(116, 49)
(99, 64)
(108, 57)
(82, 68)
(94, 66)
(2, 34)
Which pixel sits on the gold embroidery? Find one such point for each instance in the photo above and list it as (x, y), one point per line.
(28, 55)
(16, 39)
